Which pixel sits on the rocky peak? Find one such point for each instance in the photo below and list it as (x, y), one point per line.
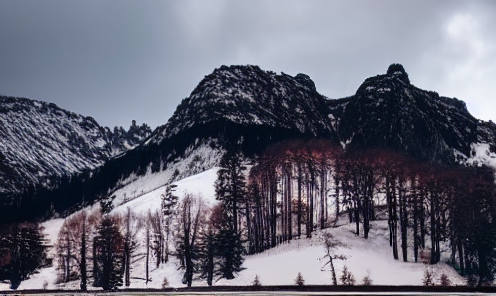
(248, 95)
(397, 70)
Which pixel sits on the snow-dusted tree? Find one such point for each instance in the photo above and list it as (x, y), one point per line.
(169, 203)
(157, 237)
(367, 280)
(207, 253)
(428, 280)
(330, 245)
(444, 281)
(230, 250)
(256, 282)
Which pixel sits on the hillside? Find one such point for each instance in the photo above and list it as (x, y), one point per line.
(277, 266)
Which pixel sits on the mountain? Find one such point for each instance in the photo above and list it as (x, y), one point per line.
(249, 96)
(388, 111)
(41, 142)
(247, 108)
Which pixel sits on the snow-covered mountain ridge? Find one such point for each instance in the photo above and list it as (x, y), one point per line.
(40, 142)
(247, 108)
(247, 95)
(388, 111)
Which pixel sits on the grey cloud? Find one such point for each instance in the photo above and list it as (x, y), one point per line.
(124, 60)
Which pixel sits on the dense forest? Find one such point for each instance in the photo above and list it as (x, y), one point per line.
(298, 186)
(293, 189)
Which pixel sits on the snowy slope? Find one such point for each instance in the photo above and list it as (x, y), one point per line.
(277, 266)
(201, 184)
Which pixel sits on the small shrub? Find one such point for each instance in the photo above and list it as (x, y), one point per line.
(256, 282)
(428, 280)
(472, 281)
(165, 283)
(367, 281)
(299, 281)
(444, 280)
(347, 277)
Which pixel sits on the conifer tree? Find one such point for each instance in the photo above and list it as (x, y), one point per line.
(230, 249)
(190, 220)
(109, 255)
(299, 281)
(347, 277)
(256, 282)
(22, 251)
(207, 255)
(230, 186)
(169, 203)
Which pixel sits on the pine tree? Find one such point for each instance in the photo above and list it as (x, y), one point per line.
(22, 252)
(169, 203)
(367, 281)
(444, 280)
(190, 221)
(347, 277)
(109, 255)
(428, 280)
(299, 281)
(231, 191)
(231, 251)
(330, 245)
(207, 254)
(230, 186)
(256, 282)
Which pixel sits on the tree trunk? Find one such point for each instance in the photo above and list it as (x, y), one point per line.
(299, 200)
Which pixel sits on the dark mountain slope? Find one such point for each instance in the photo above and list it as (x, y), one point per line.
(387, 111)
(249, 96)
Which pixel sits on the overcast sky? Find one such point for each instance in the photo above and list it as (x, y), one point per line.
(122, 60)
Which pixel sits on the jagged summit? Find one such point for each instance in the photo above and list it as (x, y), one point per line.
(41, 142)
(398, 71)
(388, 111)
(247, 95)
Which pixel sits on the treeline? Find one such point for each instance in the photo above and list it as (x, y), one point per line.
(70, 193)
(299, 186)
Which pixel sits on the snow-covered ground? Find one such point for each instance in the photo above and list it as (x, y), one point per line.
(277, 266)
(480, 154)
(201, 184)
